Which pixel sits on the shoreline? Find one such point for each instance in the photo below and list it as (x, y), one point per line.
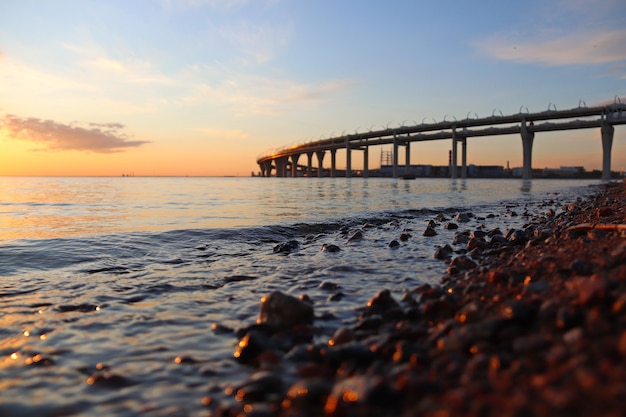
(532, 322)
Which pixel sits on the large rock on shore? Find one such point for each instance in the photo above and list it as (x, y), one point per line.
(283, 310)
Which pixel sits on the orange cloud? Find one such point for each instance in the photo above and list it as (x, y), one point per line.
(51, 135)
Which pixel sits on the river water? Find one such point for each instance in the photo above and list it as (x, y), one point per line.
(129, 274)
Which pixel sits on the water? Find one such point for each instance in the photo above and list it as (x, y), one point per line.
(131, 273)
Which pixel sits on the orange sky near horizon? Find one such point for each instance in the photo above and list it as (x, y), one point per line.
(201, 88)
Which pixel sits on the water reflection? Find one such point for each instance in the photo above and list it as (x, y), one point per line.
(61, 207)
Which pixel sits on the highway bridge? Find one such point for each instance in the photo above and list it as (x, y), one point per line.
(284, 161)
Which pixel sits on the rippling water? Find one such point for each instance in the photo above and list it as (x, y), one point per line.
(131, 273)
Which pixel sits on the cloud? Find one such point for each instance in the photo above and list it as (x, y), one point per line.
(608, 47)
(96, 137)
(128, 70)
(255, 95)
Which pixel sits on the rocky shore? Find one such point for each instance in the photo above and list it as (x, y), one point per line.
(527, 322)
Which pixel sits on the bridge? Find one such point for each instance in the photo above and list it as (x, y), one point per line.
(285, 160)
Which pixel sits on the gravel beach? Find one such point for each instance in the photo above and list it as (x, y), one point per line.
(527, 322)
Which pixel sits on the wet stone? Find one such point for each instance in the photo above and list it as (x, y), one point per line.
(286, 247)
(462, 218)
(336, 296)
(451, 226)
(329, 286)
(431, 223)
(330, 248)
(429, 232)
(518, 237)
(394, 244)
(460, 239)
(405, 236)
(444, 252)
(381, 302)
(279, 309)
(463, 262)
(356, 236)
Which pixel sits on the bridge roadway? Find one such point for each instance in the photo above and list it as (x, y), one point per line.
(285, 160)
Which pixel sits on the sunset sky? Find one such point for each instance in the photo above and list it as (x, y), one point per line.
(201, 87)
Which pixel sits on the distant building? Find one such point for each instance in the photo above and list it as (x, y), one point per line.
(563, 172)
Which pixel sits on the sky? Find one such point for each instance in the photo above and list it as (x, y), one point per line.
(202, 87)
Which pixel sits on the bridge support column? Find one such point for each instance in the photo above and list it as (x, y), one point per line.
(281, 166)
(268, 168)
(453, 160)
(407, 157)
(607, 143)
(320, 161)
(348, 159)
(294, 165)
(366, 159)
(464, 157)
(395, 156)
(527, 147)
(309, 167)
(333, 163)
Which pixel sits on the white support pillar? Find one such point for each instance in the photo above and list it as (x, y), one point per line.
(333, 163)
(395, 155)
(607, 143)
(453, 161)
(527, 148)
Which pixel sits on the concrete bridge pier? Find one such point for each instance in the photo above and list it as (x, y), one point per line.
(607, 143)
(366, 165)
(333, 163)
(463, 157)
(281, 166)
(266, 168)
(453, 160)
(294, 165)
(320, 161)
(395, 155)
(309, 167)
(348, 159)
(407, 157)
(527, 147)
